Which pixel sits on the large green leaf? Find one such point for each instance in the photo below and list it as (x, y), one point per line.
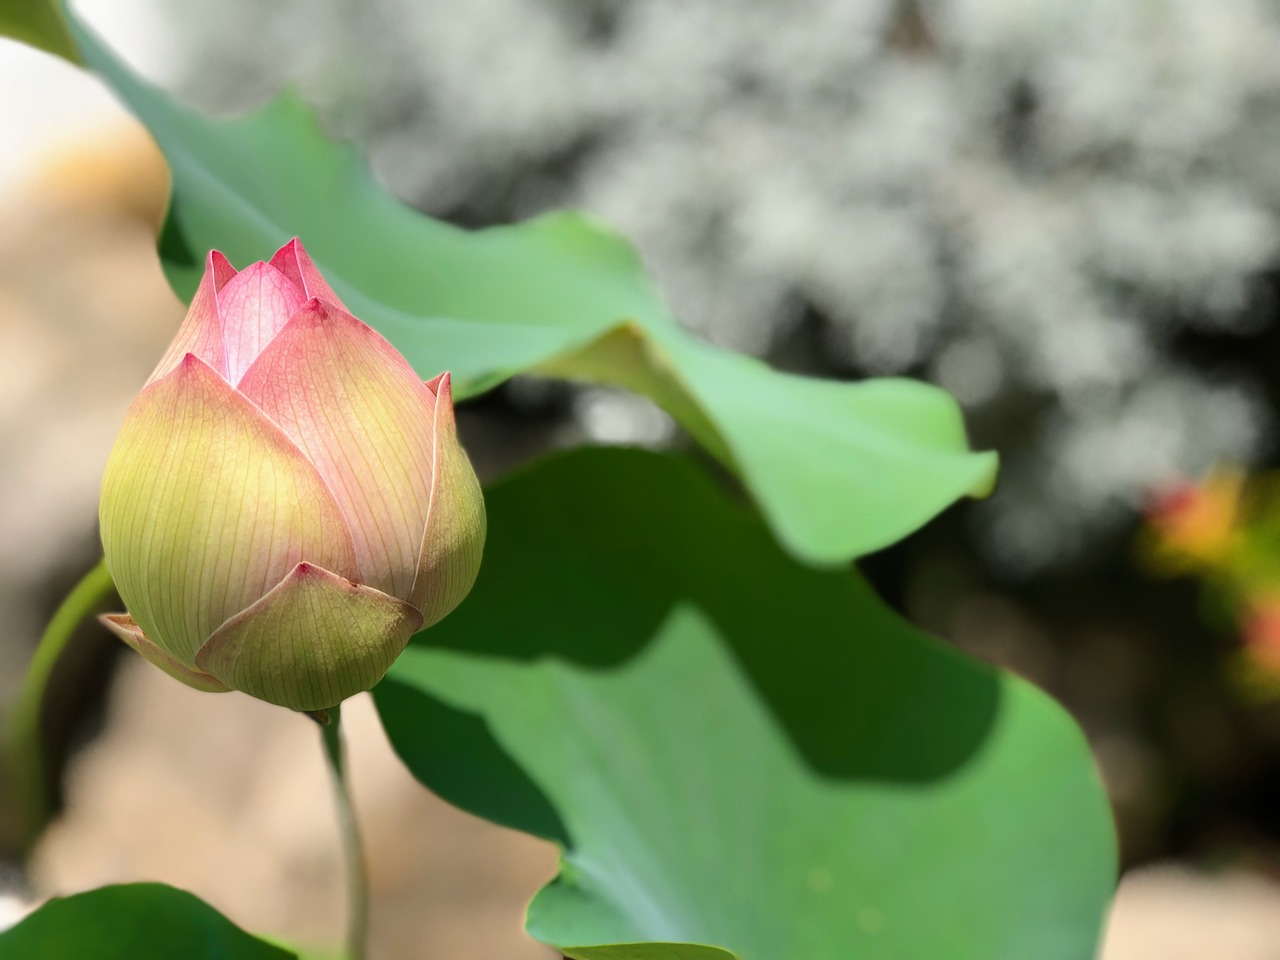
(838, 469)
(141, 921)
(739, 751)
(38, 23)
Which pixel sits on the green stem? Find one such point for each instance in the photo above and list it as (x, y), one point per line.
(24, 747)
(352, 849)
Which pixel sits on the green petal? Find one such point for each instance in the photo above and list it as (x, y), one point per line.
(206, 505)
(127, 629)
(454, 539)
(310, 643)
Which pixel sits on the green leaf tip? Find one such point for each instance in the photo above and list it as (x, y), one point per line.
(41, 24)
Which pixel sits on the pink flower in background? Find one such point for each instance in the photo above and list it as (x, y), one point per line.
(287, 502)
(1196, 523)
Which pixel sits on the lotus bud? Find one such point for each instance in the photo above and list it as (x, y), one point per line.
(287, 502)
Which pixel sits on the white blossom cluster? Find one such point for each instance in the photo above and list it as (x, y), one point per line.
(1022, 200)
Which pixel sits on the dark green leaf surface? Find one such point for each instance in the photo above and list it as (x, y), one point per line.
(141, 921)
(38, 23)
(838, 469)
(739, 751)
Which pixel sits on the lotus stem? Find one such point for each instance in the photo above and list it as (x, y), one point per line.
(25, 751)
(357, 879)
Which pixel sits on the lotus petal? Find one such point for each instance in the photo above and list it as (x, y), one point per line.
(201, 331)
(313, 641)
(206, 505)
(357, 408)
(449, 558)
(127, 629)
(293, 262)
(254, 306)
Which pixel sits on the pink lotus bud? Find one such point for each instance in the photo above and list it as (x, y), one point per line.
(287, 503)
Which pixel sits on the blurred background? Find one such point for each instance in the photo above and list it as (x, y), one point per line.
(1068, 215)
